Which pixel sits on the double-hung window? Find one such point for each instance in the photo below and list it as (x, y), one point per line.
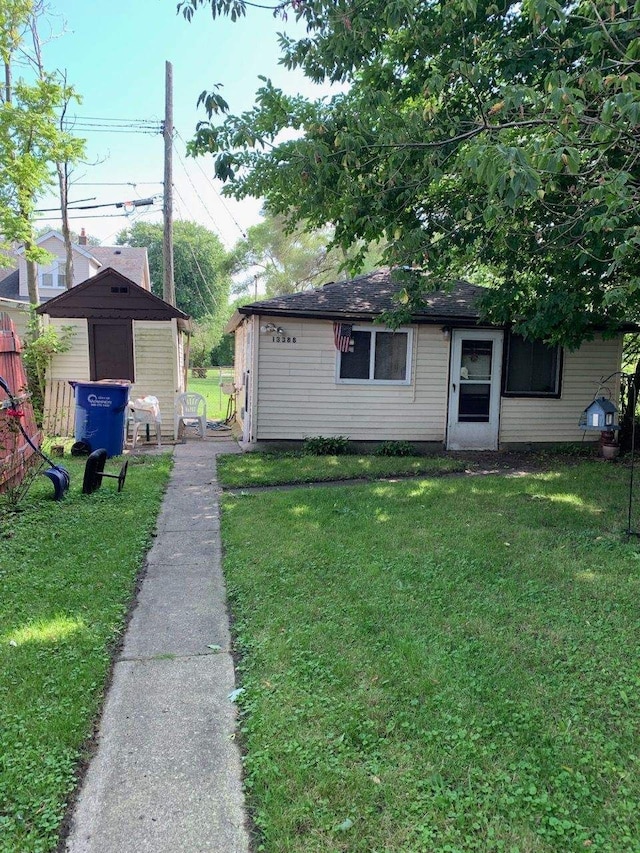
(53, 275)
(378, 356)
(532, 369)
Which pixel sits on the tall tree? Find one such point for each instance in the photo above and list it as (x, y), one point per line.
(201, 265)
(32, 140)
(278, 259)
(473, 133)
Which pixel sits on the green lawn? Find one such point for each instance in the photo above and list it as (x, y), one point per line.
(440, 665)
(266, 469)
(210, 390)
(67, 576)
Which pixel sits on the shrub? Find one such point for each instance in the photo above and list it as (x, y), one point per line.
(320, 445)
(41, 345)
(395, 448)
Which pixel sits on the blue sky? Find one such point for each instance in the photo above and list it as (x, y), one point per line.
(114, 54)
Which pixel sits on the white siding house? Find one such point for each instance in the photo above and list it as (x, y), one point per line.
(442, 380)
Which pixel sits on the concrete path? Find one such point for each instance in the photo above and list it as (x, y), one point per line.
(166, 776)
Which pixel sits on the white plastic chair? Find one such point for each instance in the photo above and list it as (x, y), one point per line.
(145, 412)
(190, 407)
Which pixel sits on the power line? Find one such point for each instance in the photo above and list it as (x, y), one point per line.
(214, 299)
(133, 184)
(77, 201)
(88, 124)
(197, 192)
(139, 202)
(213, 187)
(92, 129)
(102, 216)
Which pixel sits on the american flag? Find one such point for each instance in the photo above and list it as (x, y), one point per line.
(342, 336)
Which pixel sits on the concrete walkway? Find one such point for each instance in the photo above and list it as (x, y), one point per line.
(166, 776)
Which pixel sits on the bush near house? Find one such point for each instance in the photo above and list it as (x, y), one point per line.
(322, 445)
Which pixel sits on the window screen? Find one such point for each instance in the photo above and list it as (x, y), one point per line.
(391, 356)
(355, 363)
(532, 367)
(376, 356)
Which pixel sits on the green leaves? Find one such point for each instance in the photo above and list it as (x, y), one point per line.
(201, 266)
(476, 137)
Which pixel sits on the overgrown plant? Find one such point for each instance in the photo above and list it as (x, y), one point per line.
(395, 448)
(41, 344)
(321, 445)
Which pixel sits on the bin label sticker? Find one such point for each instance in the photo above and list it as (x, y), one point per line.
(95, 400)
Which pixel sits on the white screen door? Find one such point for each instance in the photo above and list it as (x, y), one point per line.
(474, 390)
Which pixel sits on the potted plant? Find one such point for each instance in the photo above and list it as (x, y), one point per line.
(609, 448)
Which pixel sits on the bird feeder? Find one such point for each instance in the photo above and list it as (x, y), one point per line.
(600, 415)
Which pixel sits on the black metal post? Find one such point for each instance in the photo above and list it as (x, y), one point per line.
(632, 393)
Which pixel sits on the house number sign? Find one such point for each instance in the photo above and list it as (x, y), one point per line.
(284, 339)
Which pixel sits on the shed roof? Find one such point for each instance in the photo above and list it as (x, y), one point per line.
(368, 296)
(110, 295)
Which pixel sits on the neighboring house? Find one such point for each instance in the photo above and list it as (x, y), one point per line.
(120, 331)
(88, 261)
(443, 379)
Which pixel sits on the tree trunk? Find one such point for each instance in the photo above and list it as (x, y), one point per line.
(629, 413)
(34, 293)
(63, 180)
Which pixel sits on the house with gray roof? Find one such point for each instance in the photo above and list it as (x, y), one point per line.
(319, 363)
(88, 261)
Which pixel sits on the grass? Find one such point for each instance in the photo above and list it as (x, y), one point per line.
(268, 469)
(67, 574)
(440, 666)
(210, 390)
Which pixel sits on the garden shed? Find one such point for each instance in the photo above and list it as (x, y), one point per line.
(317, 363)
(119, 330)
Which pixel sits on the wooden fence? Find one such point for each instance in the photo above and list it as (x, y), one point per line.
(16, 455)
(59, 408)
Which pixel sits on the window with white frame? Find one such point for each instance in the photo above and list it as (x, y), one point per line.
(53, 275)
(377, 355)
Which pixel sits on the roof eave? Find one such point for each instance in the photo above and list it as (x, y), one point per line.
(354, 316)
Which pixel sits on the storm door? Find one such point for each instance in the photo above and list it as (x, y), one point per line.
(474, 390)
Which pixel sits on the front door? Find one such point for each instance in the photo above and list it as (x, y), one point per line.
(474, 390)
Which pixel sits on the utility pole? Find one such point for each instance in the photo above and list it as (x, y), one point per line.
(168, 287)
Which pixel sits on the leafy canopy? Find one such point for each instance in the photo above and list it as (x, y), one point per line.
(475, 135)
(31, 138)
(284, 259)
(201, 265)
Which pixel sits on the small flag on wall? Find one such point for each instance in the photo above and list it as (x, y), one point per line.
(342, 336)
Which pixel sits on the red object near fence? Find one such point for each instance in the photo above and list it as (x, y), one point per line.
(16, 455)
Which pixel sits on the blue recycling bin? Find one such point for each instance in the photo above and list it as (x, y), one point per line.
(101, 415)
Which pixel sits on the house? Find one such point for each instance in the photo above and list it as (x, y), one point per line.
(88, 261)
(120, 330)
(315, 363)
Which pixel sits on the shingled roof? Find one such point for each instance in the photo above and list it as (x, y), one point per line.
(367, 296)
(9, 284)
(131, 261)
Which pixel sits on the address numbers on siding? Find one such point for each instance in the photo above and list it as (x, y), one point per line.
(283, 339)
